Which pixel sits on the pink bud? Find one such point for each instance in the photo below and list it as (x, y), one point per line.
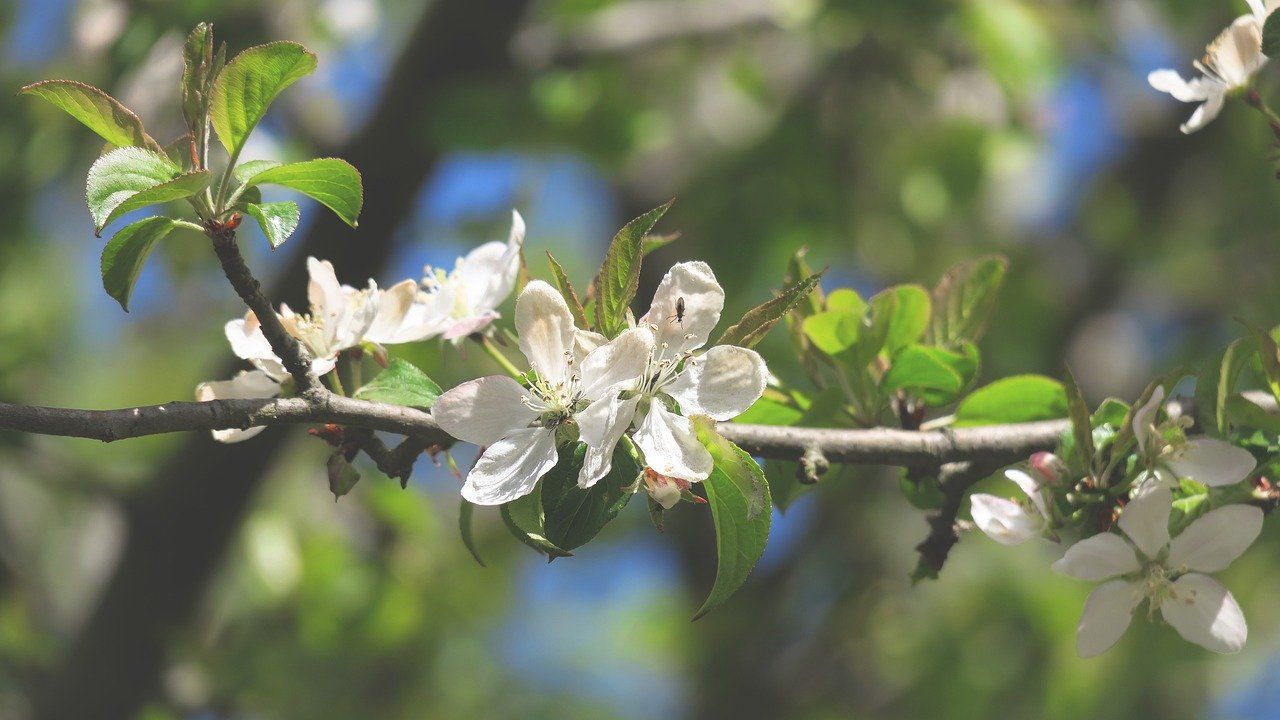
(1048, 466)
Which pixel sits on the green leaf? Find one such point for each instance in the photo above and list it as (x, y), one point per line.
(1081, 422)
(332, 182)
(964, 299)
(249, 83)
(97, 110)
(278, 220)
(846, 300)
(342, 476)
(179, 151)
(657, 241)
(1269, 354)
(1021, 398)
(758, 321)
(1246, 413)
(768, 411)
(620, 275)
(833, 331)
(568, 293)
(525, 519)
(934, 374)
(572, 515)
(741, 510)
(402, 383)
(465, 511)
(129, 178)
(1217, 382)
(1271, 35)
(247, 169)
(1111, 411)
(126, 253)
(798, 269)
(910, 317)
(197, 73)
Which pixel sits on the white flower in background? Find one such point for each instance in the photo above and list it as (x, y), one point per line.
(1012, 522)
(516, 425)
(720, 383)
(1229, 63)
(465, 301)
(1146, 564)
(247, 384)
(1171, 456)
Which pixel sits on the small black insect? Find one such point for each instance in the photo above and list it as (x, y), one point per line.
(679, 316)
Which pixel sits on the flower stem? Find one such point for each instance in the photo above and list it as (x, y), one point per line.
(335, 382)
(498, 357)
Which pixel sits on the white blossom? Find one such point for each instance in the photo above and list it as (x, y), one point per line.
(1145, 563)
(1229, 64)
(1012, 522)
(1171, 456)
(674, 384)
(245, 385)
(516, 425)
(463, 301)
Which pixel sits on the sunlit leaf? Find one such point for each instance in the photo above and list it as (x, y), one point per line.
(249, 83)
(1020, 398)
(97, 110)
(130, 178)
(332, 182)
(619, 276)
(278, 220)
(402, 383)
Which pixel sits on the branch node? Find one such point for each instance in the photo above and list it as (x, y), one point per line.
(813, 465)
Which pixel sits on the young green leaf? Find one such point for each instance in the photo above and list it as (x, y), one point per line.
(278, 220)
(342, 476)
(465, 511)
(1020, 398)
(1216, 384)
(573, 515)
(1246, 413)
(126, 253)
(936, 375)
(570, 295)
(620, 275)
(833, 331)
(249, 83)
(129, 178)
(526, 521)
(402, 383)
(657, 241)
(1269, 354)
(1081, 421)
(197, 63)
(97, 110)
(798, 269)
(910, 316)
(179, 151)
(964, 299)
(332, 182)
(741, 510)
(758, 321)
(1271, 35)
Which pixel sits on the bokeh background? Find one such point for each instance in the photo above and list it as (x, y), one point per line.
(170, 577)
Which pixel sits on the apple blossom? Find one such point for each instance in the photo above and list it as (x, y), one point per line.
(1145, 563)
(246, 384)
(1011, 522)
(1229, 64)
(675, 383)
(516, 425)
(1170, 455)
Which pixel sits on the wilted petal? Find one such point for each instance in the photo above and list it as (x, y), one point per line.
(1215, 539)
(1106, 616)
(1102, 556)
(247, 384)
(670, 446)
(510, 468)
(1211, 462)
(601, 425)
(1203, 611)
(545, 328)
(1004, 520)
(1169, 81)
(695, 283)
(1146, 519)
(619, 360)
(1144, 418)
(722, 383)
(482, 410)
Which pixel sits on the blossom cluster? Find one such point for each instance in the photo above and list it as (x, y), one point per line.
(1136, 559)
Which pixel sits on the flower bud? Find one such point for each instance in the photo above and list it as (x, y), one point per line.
(664, 490)
(1048, 466)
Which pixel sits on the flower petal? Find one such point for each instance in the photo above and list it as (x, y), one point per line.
(1102, 556)
(546, 330)
(722, 383)
(619, 360)
(1169, 81)
(324, 292)
(1144, 418)
(1208, 110)
(1203, 611)
(1146, 519)
(1214, 540)
(584, 341)
(695, 283)
(488, 273)
(1106, 616)
(467, 326)
(1004, 520)
(601, 425)
(670, 446)
(245, 385)
(390, 324)
(511, 467)
(483, 410)
(1031, 486)
(1211, 462)
(246, 338)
